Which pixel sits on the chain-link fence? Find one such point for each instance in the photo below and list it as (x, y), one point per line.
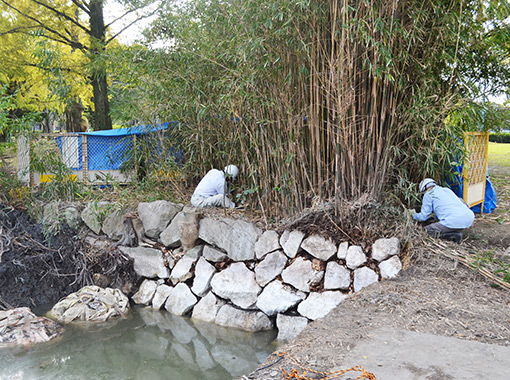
(95, 157)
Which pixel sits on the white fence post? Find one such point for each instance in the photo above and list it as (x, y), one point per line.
(24, 159)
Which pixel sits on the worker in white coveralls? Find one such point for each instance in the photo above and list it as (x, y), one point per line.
(451, 213)
(212, 190)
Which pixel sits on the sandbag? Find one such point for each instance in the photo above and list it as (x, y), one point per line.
(90, 303)
(20, 327)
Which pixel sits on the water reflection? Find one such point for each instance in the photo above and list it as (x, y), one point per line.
(147, 345)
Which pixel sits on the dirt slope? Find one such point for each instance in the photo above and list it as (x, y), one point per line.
(434, 295)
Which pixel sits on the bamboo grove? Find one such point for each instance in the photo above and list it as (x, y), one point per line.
(321, 101)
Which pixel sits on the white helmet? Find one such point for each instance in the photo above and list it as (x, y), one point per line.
(425, 184)
(231, 171)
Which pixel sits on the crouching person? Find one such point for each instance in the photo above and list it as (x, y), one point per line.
(452, 214)
(212, 190)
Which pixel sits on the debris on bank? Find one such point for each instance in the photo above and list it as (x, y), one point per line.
(91, 304)
(36, 270)
(20, 327)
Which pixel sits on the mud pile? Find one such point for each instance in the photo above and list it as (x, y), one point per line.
(37, 270)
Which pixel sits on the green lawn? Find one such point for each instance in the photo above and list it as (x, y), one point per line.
(499, 154)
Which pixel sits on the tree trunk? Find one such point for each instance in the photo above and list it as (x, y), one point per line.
(73, 115)
(102, 118)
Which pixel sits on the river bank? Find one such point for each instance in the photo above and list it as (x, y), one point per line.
(435, 295)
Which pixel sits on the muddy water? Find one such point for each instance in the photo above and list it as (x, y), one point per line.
(146, 345)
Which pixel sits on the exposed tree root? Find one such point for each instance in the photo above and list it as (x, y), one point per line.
(36, 271)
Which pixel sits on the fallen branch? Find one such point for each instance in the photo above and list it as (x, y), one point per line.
(468, 260)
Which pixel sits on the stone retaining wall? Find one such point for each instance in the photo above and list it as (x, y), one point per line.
(230, 272)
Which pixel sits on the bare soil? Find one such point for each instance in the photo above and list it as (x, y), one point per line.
(36, 270)
(434, 294)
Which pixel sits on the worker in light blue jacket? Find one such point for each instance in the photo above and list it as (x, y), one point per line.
(451, 213)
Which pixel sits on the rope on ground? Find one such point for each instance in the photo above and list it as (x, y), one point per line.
(294, 373)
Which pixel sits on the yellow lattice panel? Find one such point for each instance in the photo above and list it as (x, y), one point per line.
(475, 167)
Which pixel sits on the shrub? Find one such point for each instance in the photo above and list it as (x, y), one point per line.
(499, 137)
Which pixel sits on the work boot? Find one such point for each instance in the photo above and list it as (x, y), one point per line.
(452, 236)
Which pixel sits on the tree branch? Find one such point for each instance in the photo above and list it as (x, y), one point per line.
(82, 6)
(119, 18)
(62, 14)
(61, 38)
(19, 29)
(66, 69)
(127, 26)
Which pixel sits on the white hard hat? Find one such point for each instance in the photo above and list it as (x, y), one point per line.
(231, 170)
(425, 184)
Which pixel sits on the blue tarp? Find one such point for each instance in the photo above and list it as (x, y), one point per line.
(107, 150)
(131, 131)
(490, 201)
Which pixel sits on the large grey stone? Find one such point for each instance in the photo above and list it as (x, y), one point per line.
(184, 224)
(336, 277)
(180, 300)
(236, 237)
(72, 217)
(213, 254)
(364, 277)
(182, 270)
(291, 242)
(113, 225)
(204, 272)
(289, 327)
(319, 247)
(317, 305)
(156, 216)
(207, 308)
(145, 293)
(272, 266)
(161, 295)
(195, 252)
(342, 250)
(278, 298)
(355, 257)
(384, 248)
(301, 274)
(267, 243)
(93, 215)
(237, 284)
(229, 316)
(390, 268)
(149, 262)
(171, 236)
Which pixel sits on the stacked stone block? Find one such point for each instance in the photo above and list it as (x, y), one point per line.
(237, 275)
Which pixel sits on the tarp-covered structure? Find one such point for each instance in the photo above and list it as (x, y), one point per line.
(98, 155)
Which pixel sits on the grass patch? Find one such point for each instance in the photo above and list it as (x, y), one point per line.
(499, 154)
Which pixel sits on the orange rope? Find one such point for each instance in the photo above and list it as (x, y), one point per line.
(294, 373)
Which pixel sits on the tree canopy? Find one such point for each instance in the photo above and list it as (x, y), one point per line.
(66, 41)
(315, 100)
(323, 99)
